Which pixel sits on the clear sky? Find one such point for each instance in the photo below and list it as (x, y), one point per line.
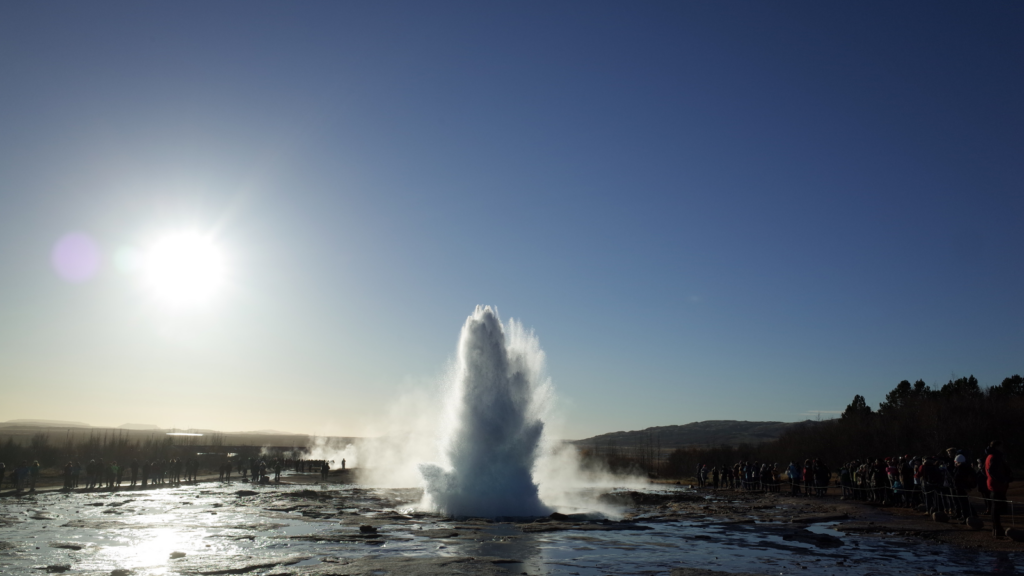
(705, 210)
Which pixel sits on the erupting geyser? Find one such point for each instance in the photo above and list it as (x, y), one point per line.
(494, 426)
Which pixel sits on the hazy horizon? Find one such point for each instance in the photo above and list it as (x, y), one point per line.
(245, 216)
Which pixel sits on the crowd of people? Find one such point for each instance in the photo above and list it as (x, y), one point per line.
(98, 474)
(813, 476)
(23, 477)
(934, 484)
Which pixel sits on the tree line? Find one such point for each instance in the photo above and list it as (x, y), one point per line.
(914, 419)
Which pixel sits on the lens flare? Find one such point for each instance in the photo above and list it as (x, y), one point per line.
(184, 269)
(75, 257)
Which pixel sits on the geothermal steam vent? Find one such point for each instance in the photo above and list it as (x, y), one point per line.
(494, 429)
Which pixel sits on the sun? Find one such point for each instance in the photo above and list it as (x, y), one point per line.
(184, 268)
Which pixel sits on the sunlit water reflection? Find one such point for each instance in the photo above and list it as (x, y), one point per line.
(195, 529)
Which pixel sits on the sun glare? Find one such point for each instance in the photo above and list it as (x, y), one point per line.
(184, 269)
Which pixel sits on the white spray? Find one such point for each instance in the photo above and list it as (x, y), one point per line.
(493, 429)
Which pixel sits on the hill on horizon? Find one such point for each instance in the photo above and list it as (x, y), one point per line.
(39, 423)
(131, 426)
(708, 433)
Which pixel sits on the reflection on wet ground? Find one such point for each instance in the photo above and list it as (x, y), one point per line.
(238, 529)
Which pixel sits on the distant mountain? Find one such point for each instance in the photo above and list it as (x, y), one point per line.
(43, 424)
(139, 427)
(707, 433)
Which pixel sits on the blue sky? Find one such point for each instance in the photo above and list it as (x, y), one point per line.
(718, 210)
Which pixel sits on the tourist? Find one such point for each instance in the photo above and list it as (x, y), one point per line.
(33, 472)
(21, 476)
(793, 473)
(999, 478)
(964, 479)
(982, 480)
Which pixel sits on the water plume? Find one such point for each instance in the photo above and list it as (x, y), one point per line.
(493, 429)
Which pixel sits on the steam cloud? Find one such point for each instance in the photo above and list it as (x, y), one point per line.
(488, 437)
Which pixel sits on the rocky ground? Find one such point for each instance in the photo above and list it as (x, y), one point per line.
(848, 516)
(307, 528)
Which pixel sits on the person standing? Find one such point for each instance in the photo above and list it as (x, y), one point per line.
(3, 470)
(999, 479)
(135, 470)
(982, 481)
(963, 480)
(21, 476)
(34, 474)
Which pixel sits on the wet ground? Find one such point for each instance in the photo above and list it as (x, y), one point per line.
(216, 528)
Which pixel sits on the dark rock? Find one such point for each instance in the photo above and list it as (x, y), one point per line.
(558, 517)
(591, 527)
(437, 533)
(1015, 534)
(975, 523)
(246, 493)
(366, 529)
(940, 516)
(817, 519)
(407, 566)
(705, 572)
(313, 494)
(632, 498)
(816, 540)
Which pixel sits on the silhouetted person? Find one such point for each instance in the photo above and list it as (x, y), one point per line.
(21, 476)
(34, 475)
(999, 478)
(135, 470)
(342, 464)
(325, 468)
(145, 472)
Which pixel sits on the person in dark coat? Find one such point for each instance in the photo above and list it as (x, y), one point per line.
(963, 480)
